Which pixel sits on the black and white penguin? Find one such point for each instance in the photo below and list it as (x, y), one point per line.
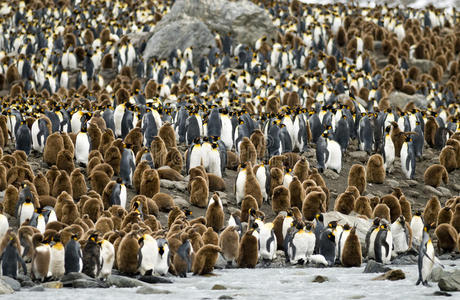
(226, 132)
(388, 151)
(319, 227)
(162, 258)
(401, 235)
(107, 258)
(240, 184)
(328, 153)
(82, 145)
(10, 258)
(40, 133)
(426, 257)
(118, 115)
(193, 127)
(149, 127)
(214, 127)
(108, 116)
(127, 165)
(327, 246)
(383, 244)
(147, 256)
(214, 160)
(263, 177)
(127, 121)
(408, 158)
(25, 210)
(302, 244)
(91, 257)
(267, 241)
(417, 224)
(194, 155)
(23, 138)
(365, 133)
(370, 238)
(57, 258)
(418, 139)
(73, 256)
(119, 194)
(274, 145)
(342, 133)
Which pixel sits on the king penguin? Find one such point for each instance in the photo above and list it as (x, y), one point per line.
(39, 134)
(425, 258)
(408, 158)
(23, 138)
(127, 165)
(82, 145)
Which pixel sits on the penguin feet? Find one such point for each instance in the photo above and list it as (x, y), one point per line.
(425, 283)
(301, 261)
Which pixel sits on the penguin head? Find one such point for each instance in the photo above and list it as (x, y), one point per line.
(408, 139)
(418, 213)
(402, 220)
(28, 200)
(332, 224)
(388, 129)
(140, 241)
(346, 227)
(93, 237)
(331, 236)
(187, 212)
(319, 218)
(161, 250)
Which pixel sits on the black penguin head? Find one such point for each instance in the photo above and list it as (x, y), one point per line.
(332, 224)
(388, 129)
(408, 139)
(161, 250)
(346, 227)
(252, 212)
(93, 237)
(74, 237)
(331, 236)
(289, 213)
(418, 213)
(187, 212)
(140, 241)
(28, 200)
(319, 218)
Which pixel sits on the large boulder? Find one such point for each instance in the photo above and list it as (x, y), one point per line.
(362, 225)
(450, 281)
(192, 23)
(401, 99)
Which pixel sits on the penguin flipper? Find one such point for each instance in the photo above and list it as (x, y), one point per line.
(270, 240)
(21, 261)
(39, 135)
(139, 258)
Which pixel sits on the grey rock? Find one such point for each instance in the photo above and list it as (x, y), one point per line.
(74, 276)
(123, 282)
(412, 193)
(181, 186)
(320, 279)
(456, 187)
(13, 283)
(181, 202)
(450, 282)
(443, 294)
(362, 225)
(401, 99)
(437, 273)
(445, 191)
(375, 267)
(431, 190)
(5, 289)
(392, 275)
(147, 290)
(218, 287)
(392, 183)
(331, 174)
(411, 182)
(38, 288)
(22, 277)
(359, 155)
(405, 260)
(27, 284)
(424, 65)
(225, 297)
(86, 284)
(167, 184)
(154, 279)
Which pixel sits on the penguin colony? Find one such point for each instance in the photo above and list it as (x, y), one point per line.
(104, 122)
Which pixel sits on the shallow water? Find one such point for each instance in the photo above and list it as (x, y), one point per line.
(292, 283)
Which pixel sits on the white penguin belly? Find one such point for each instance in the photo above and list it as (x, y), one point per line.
(123, 196)
(161, 265)
(82, 148)
(118, 117)
(267, 251)
(214, 163)
(416, 225)
(262, 179)
(35, 142)
(196, 157)
(27, 210)
(334, 160)
(404, 153)
(108, 257)
(240, 183)
(428, 262)
(57, 266)
(389, 152)
(149, 256)
(3, 225)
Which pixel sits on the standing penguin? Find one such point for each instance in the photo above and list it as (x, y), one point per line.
(82, 145)
(267, 242)
(40, 132)
(215, 213)
(41, 257)
(383, 244)
(327, 246)
(408, 158)
(148, 251)
(301, 244)
(91, 257)
(182, 259)
(10, 258)
(25, 210)
(107, 258)
(401, 235)
(229, 242)
(118, 195)
(127, 165)
(388, 151)
(248, 250)
(425, 258)
(23, 138)
(57, 268)
(73, 256)
(328, 154)
(162, 258)
(417, 224)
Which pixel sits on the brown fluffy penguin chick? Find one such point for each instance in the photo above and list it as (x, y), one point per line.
(375, 170)
(233, 160)
(62, 184)
(435, 175)
(127, 254)
(216, 183)
(357, 178)
(164, 201)
(229, 242)
(248, 250)
(54, 144)
(168, 173)
(313, 204)
(113, 157)
(137, 176)
(41, 184)
(205, 259)
(174, 213)
(159, 152)
(104, 225)
(251, 186)
(454, 142)
(363, 206)
(276, 178)
(210, 237)
(106, 140)
(168, 135)
(98, 181)
(456, 218)
(199, 192)
(431, 211)
(248, 203)
(345, 203)
(10, 199)
(381, 211)
(296, 192)
(77, 180)
(215, 213)
(316, 177)
(406, 208)
(247, 151)
(174, 159)
(150, 183)
(393, 204)
(258, 140)
(301, 169)
(351, 253)
(93, 208)
(448, 158)
(41, 257)
(444, 215)
(447, 238)
(280, 199)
